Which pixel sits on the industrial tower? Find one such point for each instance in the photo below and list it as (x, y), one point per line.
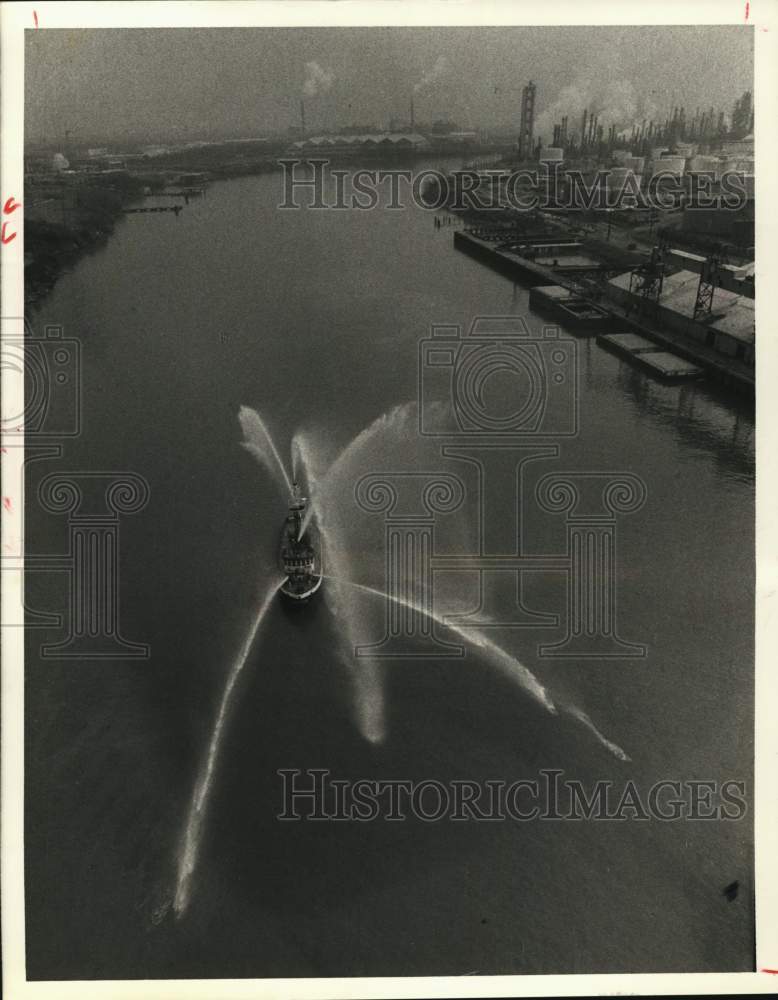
(527, 120)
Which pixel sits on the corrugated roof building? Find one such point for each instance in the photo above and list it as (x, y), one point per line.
(729, 328)
(375, 140)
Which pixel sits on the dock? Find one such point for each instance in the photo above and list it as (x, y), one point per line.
(575, 309)
(663, 364)
(154, 208)
(510, 264)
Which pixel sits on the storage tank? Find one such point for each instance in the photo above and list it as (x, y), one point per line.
(620, 155)
(686, 149)
(670, 165)
(621, 180)
(553, 154)
(636, 163)
(656, 151)
(703, 164)
(727, 165)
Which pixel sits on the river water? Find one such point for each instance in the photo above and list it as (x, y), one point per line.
(313, 320)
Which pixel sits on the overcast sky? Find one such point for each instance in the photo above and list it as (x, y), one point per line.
(184, 83)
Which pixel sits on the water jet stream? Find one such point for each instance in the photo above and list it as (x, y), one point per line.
(257, 441)
(512, 668)
(187, 860)
(367, 676)
(614, 748)
(391, 420)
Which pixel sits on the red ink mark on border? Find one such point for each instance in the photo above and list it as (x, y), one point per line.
(35, 17)
(3, 237)
(10, 206)
(7, 504)
(770, 972)
(748, 6)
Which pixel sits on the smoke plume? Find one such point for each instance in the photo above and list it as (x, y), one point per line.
(317, 80)
(615, 103)
(441, 67)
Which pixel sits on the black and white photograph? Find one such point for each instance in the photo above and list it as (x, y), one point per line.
(382, 593)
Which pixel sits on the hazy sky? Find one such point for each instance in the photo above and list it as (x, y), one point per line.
(189, 82)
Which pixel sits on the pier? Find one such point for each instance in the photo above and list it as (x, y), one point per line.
(570, 305)
(644, 353)
(154, 208)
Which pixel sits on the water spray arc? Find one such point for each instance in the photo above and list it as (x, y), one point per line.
(258, 442)
(193, 832)
(508, 665)
(366, 673)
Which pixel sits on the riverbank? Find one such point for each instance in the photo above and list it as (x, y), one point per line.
(87, 217)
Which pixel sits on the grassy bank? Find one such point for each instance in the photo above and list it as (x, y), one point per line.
(88, 217)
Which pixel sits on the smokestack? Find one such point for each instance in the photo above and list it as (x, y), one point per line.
(583, 130)
(413, 117)
(302, 118)
(527, 126)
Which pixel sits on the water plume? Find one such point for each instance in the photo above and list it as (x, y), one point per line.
(609, 745)
(510, 667)
(366, 674)
(257, 441)
(187, 860)
(394, 421)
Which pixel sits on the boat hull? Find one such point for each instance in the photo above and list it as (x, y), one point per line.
(301, 597)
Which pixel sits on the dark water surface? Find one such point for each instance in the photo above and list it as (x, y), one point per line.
(313, 319)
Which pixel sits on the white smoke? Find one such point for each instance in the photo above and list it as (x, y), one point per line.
(615, 103)
(440, 69)
(317, 79)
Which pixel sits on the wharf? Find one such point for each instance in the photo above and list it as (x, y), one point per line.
(727, 371)
(154, 208)
(507, 263)
(665, 365)
(573, 310)
(733, 373)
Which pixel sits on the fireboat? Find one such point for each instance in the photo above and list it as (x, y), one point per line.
(299, 558)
